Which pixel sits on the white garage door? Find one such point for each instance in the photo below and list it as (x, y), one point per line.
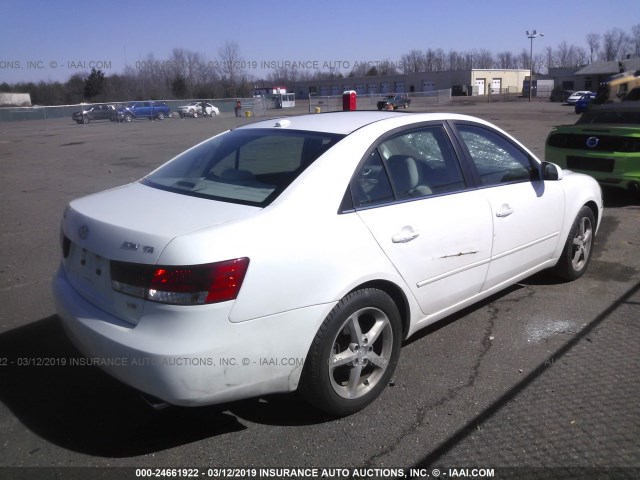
(496, 85)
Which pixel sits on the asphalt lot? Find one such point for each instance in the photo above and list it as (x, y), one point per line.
(546, 374)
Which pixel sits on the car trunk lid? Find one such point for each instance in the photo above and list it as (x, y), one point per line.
(133, 224)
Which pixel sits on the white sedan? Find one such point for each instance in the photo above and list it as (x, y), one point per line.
(298, 253)
(194, 109)
(575, 96)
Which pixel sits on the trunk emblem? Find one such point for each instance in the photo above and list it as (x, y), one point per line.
(129, 246)
(136, 247)
(83, 232)
(592, 142)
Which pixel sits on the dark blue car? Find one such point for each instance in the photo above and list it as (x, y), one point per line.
(583, 103)
(149, 110)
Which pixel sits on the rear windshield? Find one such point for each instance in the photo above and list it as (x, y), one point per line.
(250, 167)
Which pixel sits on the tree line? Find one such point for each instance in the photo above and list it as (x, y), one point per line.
(186, 74)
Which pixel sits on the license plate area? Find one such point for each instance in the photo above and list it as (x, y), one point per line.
(592, 164)
(89, 270)
(90, 275)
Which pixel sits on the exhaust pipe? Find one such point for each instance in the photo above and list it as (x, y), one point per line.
(154, 402)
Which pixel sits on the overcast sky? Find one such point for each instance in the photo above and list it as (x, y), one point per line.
(53, 39)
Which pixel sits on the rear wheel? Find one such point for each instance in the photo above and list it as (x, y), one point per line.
(128, 118)
(576, 254)
(354, 353)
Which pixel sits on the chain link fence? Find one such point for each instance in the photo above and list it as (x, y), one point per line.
(333, 103)
(258, 107)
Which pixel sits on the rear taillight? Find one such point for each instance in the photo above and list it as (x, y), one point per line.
(180, 285)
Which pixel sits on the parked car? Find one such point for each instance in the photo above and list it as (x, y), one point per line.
(135, 110)
(394, 102)
(194, 109)
(298, 253)
(94, 112)
(575, 96)
(559, 95)
(604, 143)
(583, 103)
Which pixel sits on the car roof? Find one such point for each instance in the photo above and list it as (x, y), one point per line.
(345, 123)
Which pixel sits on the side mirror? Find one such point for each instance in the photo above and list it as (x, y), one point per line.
(550, 171)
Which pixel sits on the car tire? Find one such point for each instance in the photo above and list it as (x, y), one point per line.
(346, 369)
(405, 106)
(128, 118)
(161, 116)
(576, 253)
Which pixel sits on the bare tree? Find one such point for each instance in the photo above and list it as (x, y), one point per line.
(613, 44)
(635, 39)
(387, 67)
(539, 60)
(523, 58)
(413, 62)
(151, 79)
(360, 69)
(505, 60)
(593, 41)
(231, 67)
(482, 59)
(439, 60)
(580, 56)
(564, 55)
(454, 60)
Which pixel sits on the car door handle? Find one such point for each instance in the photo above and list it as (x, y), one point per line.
(405, 235)
(504, 211)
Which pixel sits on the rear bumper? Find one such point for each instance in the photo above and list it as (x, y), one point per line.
(615, 169)
(192, 355)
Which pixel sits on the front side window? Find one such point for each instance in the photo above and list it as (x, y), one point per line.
(250, 166)
(496, 159)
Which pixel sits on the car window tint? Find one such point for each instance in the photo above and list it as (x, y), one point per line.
(497, 160)
(371, 185)
(242, 166)
(264, 155)
(422, 162)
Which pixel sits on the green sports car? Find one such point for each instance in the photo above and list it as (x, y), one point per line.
(604, 143)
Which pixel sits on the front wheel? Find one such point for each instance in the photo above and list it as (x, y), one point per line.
(161, 116)
(354, 353)
(576, 254)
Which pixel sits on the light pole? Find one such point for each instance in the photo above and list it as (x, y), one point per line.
(531, 36)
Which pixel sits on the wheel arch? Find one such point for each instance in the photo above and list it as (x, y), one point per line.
(397, 295)
(594, 209)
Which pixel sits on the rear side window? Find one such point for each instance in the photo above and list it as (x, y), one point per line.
(250, 167)
(414, 164)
